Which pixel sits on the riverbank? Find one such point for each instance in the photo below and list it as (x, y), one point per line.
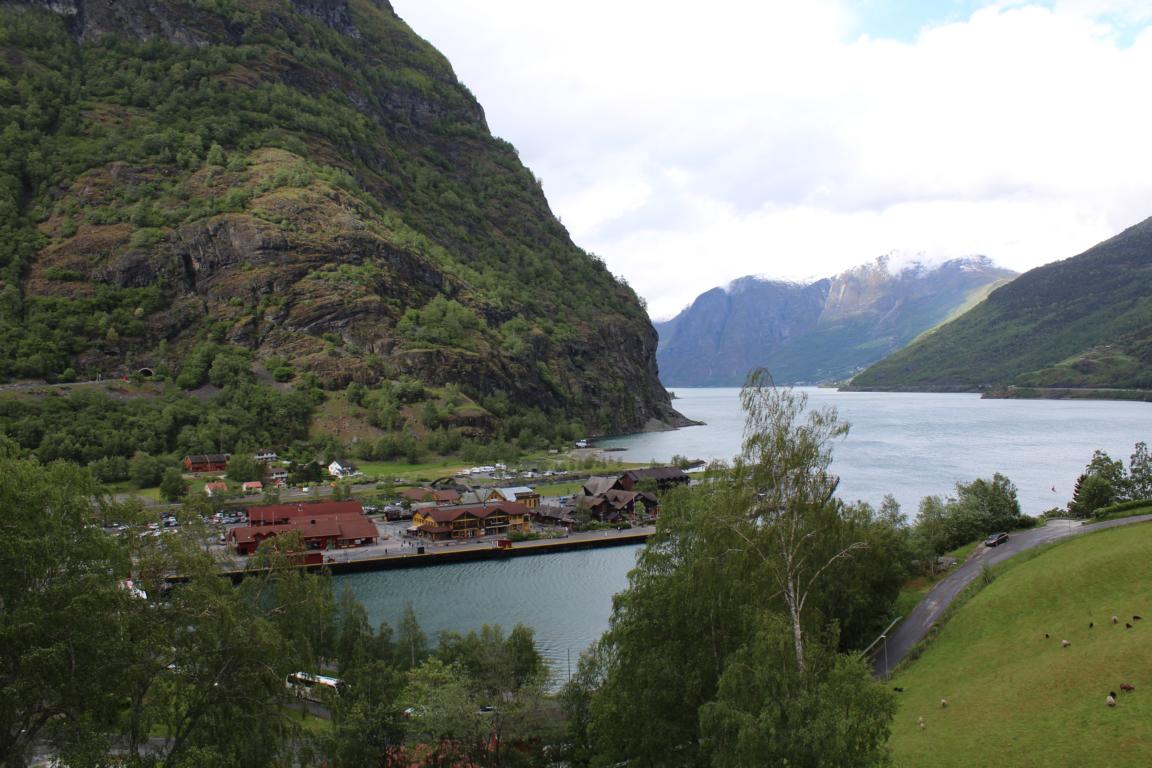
(409, 554)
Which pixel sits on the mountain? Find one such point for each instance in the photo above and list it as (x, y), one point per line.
(305, 179)
(819, 331)
(1085, 321)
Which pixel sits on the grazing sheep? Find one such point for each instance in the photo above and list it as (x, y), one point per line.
(1127, 625)
(1127, 687)
(1111, 700)
(1137, 618)
(897, 689)
(943, 703)
(1047, 636)
(920, 722)
(1091, 624)
(1064, 643)
(1115, 619)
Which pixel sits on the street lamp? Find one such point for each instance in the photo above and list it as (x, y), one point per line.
(884, 639)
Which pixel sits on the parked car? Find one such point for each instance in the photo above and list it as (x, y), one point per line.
(995, 539)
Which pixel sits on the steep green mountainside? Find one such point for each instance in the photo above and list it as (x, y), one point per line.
(825, 330)
(1081, 322)
(305, 179)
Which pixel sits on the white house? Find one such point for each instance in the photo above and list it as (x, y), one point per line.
(343, 468)
(266, 456)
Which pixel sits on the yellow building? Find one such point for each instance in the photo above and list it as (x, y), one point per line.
(497, 518)
(521, 494)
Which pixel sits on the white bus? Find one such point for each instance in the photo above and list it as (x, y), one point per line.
(316, 688)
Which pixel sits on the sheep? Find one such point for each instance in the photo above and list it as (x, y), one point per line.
(1137, 618)
(943, 703)
(920, 722)
(1064, 643)
(1111, 700)
(1115, 619)
(1047, 636)
(898, 689)
(1127, 687)
(1091, 624)
(1127, 625)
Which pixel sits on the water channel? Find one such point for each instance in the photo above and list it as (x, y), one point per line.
(909, 445)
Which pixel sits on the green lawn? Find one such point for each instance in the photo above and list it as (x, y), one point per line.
(1018, 699)
(410, 472)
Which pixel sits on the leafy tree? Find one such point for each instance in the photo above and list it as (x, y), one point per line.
(1139, 485)
(147, 471)
(1101, 483)
(173, 487)
(764, 544)
(830, 713)
(59, 588)
(243, 467)
(411, 643)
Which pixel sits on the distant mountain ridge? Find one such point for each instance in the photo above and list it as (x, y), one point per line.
(820, 331)
(1084, 322)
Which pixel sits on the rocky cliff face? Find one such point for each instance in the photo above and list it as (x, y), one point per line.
(813, 332)
(304, 178)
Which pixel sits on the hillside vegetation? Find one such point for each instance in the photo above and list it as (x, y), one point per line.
(1018, 698)
(1084, 322)
(303, 179)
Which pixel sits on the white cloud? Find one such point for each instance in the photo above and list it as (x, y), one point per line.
(689, 145)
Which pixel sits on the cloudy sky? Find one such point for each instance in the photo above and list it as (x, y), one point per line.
(691, 143)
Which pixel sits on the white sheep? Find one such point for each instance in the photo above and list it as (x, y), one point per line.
(1111, 700)
(1064, 643)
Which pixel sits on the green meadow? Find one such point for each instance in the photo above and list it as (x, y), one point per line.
(1018, 698)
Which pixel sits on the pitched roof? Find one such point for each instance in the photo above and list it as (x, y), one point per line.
(510, 494)
(268, 514)
(595, 486)
(344, 527)
(657, 473)
(207, 458)
(424, 493)
(445, 515)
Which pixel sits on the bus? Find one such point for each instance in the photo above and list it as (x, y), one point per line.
(318, 688)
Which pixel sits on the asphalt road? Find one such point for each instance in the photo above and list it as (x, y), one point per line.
(887, 654)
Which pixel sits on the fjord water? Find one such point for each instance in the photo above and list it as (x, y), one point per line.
(910, 445)
(919, 444)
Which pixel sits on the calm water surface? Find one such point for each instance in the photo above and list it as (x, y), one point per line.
(909, 445)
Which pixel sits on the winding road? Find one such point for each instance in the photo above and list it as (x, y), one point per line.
(892, 649)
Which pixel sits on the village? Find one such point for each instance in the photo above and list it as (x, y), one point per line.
(467, 509)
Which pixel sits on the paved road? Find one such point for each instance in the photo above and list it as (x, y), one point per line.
(916, 625)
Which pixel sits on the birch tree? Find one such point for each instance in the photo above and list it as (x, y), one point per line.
(785, 458)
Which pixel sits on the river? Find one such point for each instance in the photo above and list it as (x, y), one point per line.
(909, 445)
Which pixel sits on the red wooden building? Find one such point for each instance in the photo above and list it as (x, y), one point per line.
(206, 462)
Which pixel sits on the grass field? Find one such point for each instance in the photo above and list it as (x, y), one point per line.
(1018, 699)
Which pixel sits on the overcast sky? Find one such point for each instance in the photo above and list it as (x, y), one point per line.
(691, 143)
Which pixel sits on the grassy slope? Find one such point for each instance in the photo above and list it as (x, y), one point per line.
(1017, 699)
(1042, 327)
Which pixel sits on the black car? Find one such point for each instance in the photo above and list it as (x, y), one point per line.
(996, 539)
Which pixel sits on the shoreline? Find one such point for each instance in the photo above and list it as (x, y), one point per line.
(441, 554)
